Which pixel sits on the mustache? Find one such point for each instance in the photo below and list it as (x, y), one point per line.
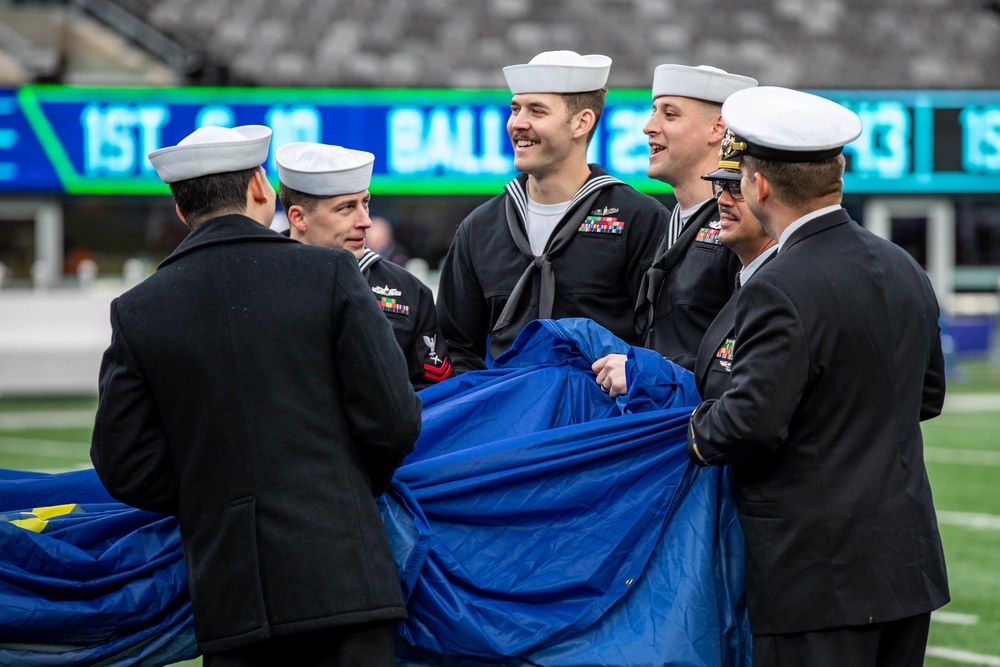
(521, 136)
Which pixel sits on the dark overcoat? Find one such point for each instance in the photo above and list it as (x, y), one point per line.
(837, 359)
(254, 389)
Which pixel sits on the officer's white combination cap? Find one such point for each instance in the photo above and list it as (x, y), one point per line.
(212, 150)
(701, 82)
(559, 72)
(789, 125)
(324, 170)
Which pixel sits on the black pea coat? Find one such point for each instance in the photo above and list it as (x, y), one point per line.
(837, 359)
(690, 281)
(254, 389)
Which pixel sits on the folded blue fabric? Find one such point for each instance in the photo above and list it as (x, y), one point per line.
(538, 522)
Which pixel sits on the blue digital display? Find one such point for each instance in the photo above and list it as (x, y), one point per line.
(59, 139)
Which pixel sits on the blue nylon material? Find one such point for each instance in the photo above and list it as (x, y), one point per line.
(538, 522)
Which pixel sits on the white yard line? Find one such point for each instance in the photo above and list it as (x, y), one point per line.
(969, 520)
(43, 448)
(954, 618)
(971, 402)
(966, 657)
(45, 419)
(969, 457)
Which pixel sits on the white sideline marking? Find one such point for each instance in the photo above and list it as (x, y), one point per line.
(968, 657)
(954, 618)
(969, 457)
(969, 520)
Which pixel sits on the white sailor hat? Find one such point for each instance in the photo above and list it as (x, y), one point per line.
(703, 82)
(559, 72)
(212, 150)
(323, 170)
(789, 125)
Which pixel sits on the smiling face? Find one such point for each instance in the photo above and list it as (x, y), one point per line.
(334, 222)
(740, 230)
(541, 132)
(682, 141)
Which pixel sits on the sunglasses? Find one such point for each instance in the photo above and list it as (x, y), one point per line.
(732, 186)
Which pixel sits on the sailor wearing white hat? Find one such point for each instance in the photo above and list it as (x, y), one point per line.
(692, 275)
(229, 154)
(836, 360)
(565, 239)
(324, 191)
(224, 393)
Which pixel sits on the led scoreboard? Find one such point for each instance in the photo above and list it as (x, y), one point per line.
(94, 140)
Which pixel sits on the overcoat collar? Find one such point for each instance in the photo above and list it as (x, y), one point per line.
(224, 229)
(822, 223)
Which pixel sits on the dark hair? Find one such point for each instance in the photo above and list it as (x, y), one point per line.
(206, 196)
(798, 183)
(290, 197)
(593, 100)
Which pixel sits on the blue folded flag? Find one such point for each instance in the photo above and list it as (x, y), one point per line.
(538, 522)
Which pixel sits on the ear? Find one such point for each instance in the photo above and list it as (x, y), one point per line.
(583, 123)
(718, 129)
(763, 187)
(296, 218)
(177, 210)
(256, 188)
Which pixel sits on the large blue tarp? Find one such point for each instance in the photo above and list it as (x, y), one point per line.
(538, 522)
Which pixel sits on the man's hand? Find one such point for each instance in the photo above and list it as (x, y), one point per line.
(611, 374)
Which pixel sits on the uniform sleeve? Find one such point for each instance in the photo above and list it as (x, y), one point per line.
(428, 358)
(461, 307)
(770, 371)
(934, 382)
(129, 448)
(383, 411)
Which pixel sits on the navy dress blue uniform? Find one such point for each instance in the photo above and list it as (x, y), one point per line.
(408, 304)
(610, 234)
(837, 358)
(686, 287)
(254, 389)
(714, 362)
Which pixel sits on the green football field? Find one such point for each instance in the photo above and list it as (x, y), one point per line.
(963, 461)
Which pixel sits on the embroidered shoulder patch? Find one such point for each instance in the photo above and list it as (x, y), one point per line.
(602, 224)
(708, 235)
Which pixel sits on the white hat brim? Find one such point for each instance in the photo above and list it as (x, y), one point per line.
(701, 83)
(323, 170)
(243, 147)
(590, 73)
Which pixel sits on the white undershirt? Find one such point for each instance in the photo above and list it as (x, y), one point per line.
(542, 219)
(688, 212)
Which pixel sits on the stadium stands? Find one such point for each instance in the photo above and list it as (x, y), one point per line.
(946, 44)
